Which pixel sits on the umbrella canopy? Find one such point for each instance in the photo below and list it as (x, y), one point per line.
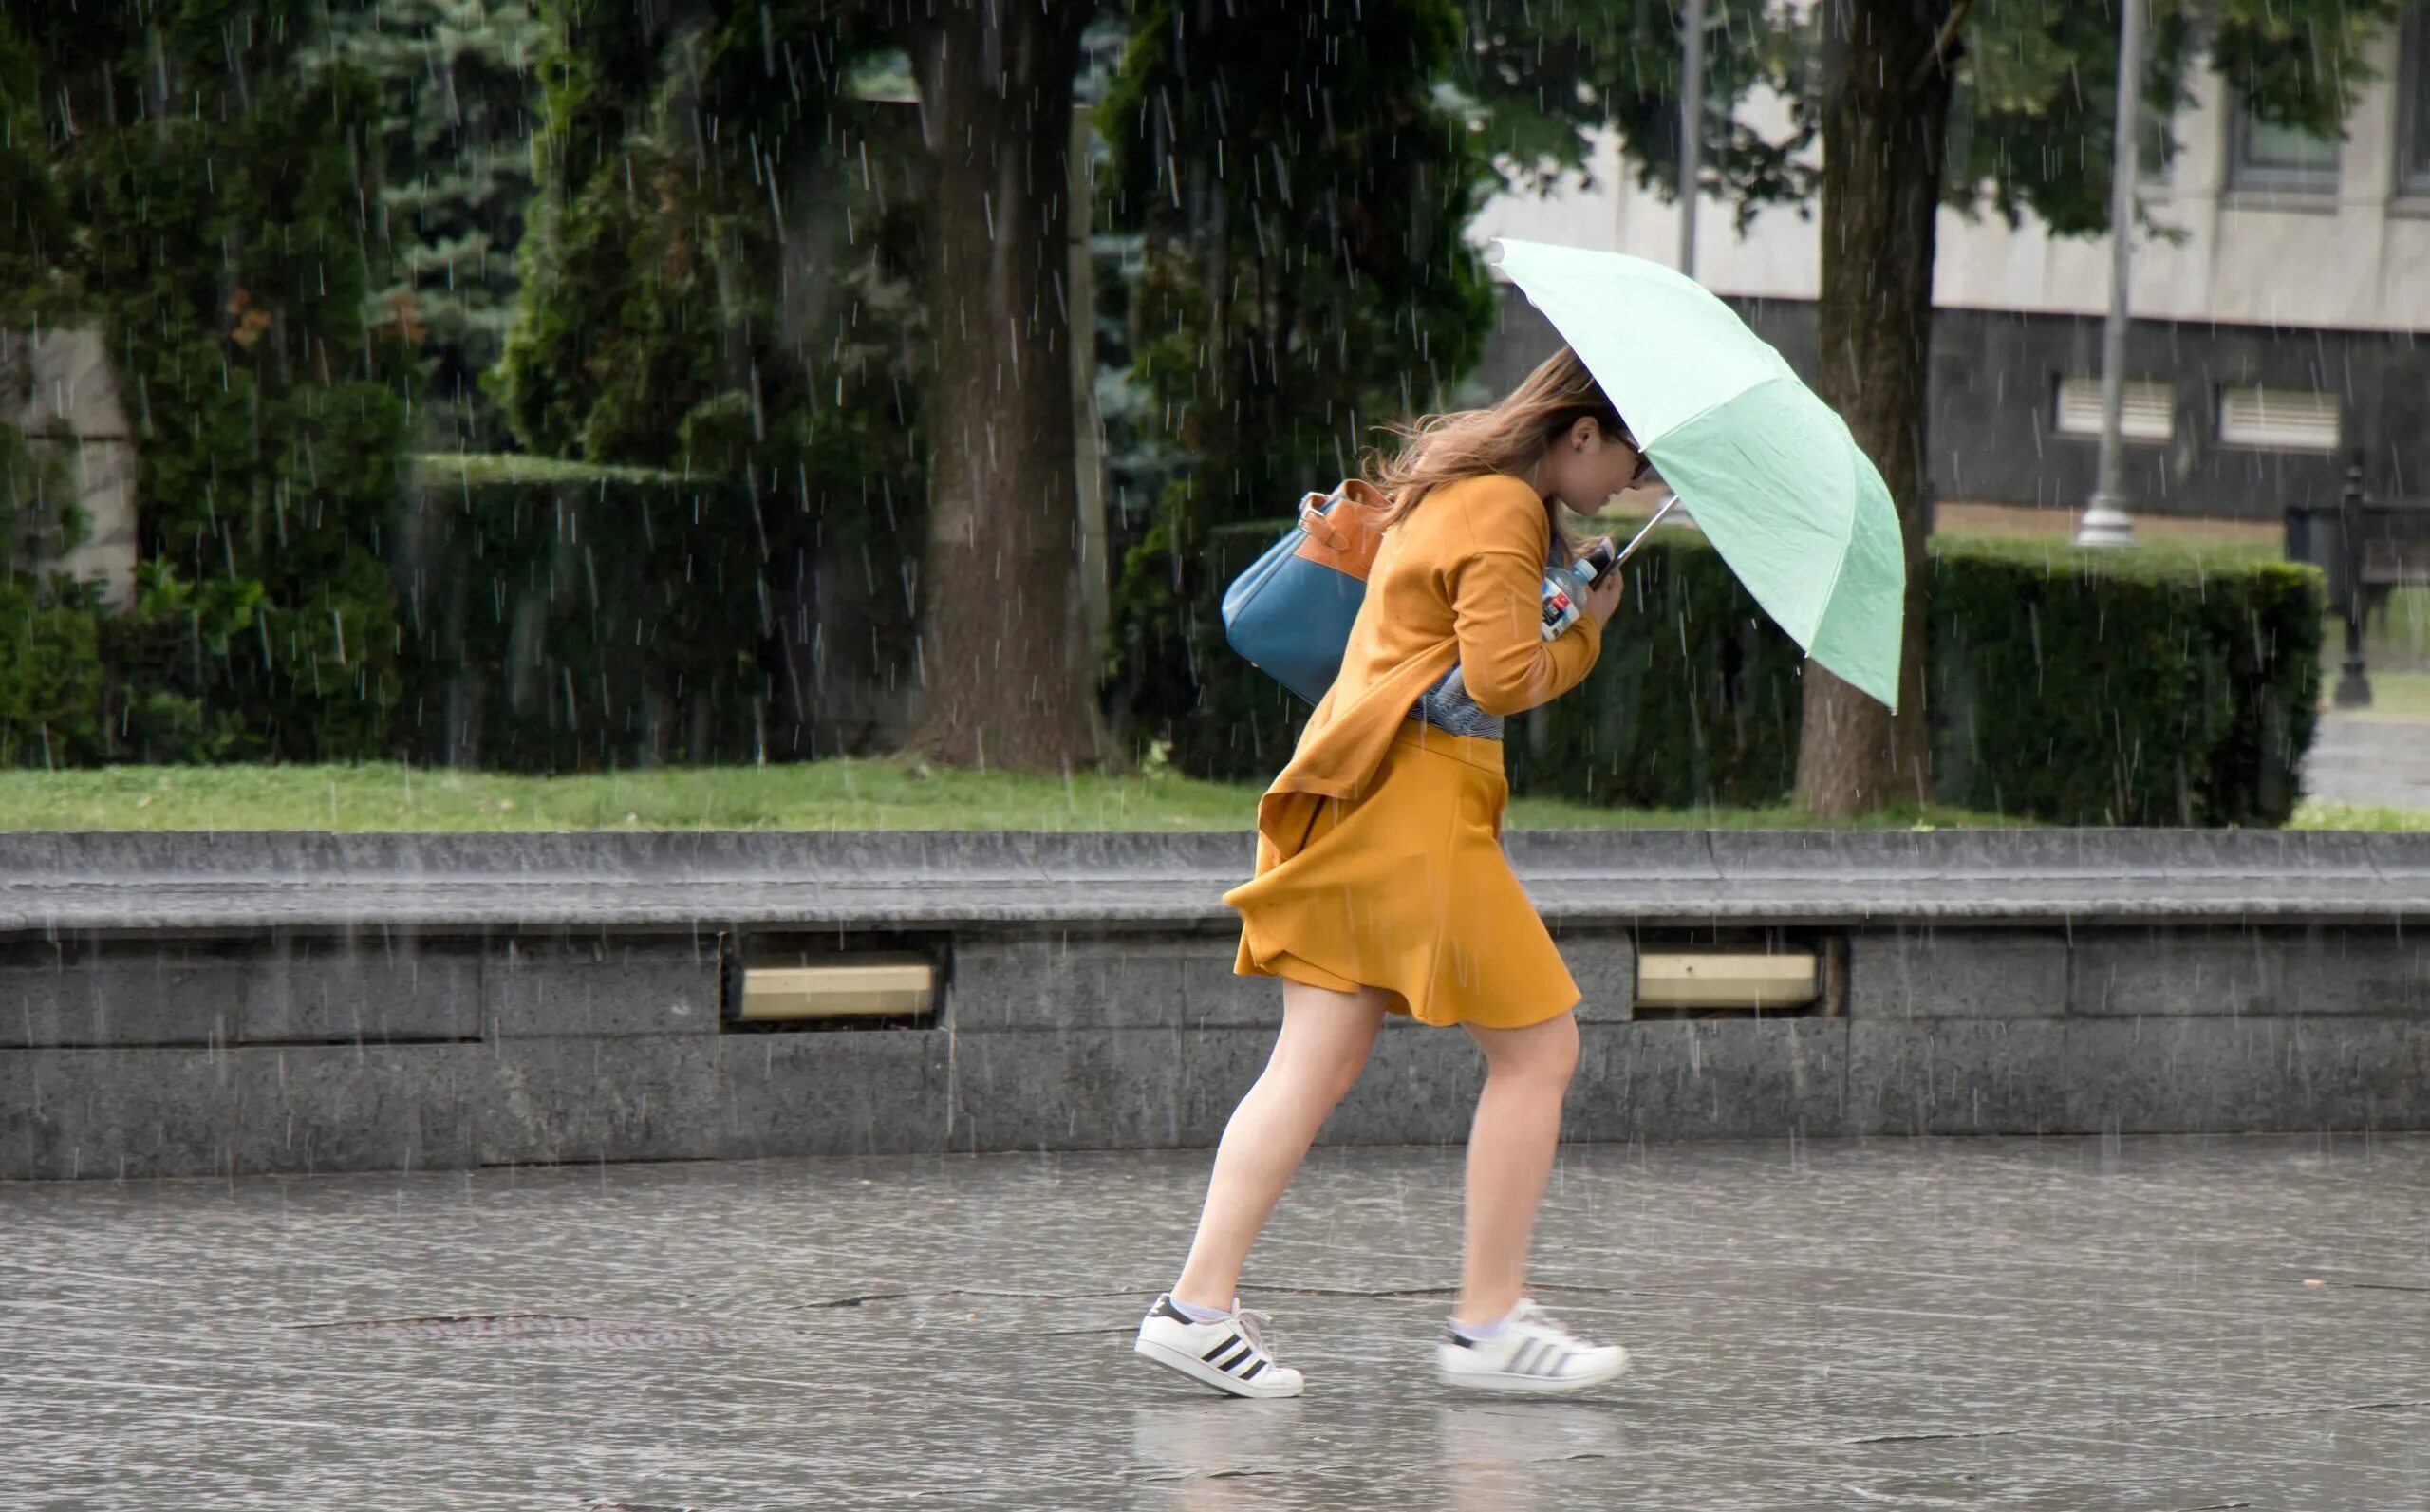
(1781, 489)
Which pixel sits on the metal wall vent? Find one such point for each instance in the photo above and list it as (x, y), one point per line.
(2278, 420)
(2150, 412)
(1751, 981)
(856, 987)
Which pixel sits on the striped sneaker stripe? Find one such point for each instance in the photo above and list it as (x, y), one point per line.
(1229, 1339)
(1231, 1362)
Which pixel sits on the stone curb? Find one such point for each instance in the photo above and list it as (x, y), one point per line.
(305, 881)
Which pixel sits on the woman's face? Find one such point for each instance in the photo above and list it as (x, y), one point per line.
(1583, 468)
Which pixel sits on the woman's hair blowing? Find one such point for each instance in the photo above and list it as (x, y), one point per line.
(1508, 437)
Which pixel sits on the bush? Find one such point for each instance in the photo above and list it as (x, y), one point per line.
(558, 617)
(218, 244)
(50, 681)
(81, 685)
(174, 695)
(532, 615)
(2067, 688)
(1694, 703)
(2111, 689)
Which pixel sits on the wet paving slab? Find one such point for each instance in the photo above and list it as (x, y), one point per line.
(2071, 1324)
(2370, 761)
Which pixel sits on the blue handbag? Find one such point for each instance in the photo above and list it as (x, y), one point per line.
(1290, 613)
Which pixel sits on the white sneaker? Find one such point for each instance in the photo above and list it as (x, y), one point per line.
(1228, 1355)
(1532, 1354)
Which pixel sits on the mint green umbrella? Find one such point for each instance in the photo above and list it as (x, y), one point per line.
(1771, 474)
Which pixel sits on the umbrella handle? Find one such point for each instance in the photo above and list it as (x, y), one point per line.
(1638, 539)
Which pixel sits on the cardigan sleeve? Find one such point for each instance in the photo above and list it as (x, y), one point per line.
(1497, 606)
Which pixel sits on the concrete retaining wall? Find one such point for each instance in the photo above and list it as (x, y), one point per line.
(480, 1037)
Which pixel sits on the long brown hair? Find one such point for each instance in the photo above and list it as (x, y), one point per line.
(1508, 437)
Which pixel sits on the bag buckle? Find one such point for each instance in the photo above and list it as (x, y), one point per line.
(1313, 520)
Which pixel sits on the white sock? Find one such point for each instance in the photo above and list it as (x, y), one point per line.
(1481, 1332)
(1200, 1314)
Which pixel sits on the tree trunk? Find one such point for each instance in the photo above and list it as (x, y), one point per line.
(1008, 679)
(1885, 121)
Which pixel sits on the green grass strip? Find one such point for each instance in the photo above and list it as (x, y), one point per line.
(825, 796)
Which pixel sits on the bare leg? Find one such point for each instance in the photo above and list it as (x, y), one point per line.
(1510, 1157)
(1323, 1045)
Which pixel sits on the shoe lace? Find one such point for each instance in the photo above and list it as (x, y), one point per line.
(1536, 1317)
(1253, 1325)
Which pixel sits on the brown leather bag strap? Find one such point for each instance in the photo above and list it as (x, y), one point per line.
(1315, 520)
(1341, 528)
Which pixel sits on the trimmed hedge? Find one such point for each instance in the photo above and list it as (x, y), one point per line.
(2105, 688)
(2067, 687)
(555, 619)
(546, 617)
(561, 617)
(1695, 701)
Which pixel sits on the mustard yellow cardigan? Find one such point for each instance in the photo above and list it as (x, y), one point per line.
(1459, 580)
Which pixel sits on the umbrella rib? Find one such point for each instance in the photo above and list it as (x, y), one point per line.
(1838, 567)
(1839, 570)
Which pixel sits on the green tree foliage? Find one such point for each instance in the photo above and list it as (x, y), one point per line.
(451, 154)
(33, 209)
(2035, 87)
(616, 339)
(1303, 200)
(723, 229)
(217, 237)
(721, 280)
(1545, 77)
(33, 233)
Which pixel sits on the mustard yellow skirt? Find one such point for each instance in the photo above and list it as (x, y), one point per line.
(1406, 888)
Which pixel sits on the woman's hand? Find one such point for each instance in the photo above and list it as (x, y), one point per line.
(1603, 597)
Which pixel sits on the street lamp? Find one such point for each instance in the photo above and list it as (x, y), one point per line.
(2105, 521)
(1692, 134)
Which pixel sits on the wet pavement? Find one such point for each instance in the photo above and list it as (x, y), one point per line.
(2371, 762)
(2074, 1324)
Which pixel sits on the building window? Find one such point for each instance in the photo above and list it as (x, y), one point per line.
(2149, 414)
(2278, 420)
(2265, 156)
(2413, 121)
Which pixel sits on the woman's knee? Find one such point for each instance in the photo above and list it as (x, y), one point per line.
(1318, 1074)
(1544, 1053)
(1325, 1039)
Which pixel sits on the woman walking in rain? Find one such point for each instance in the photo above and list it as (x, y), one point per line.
(1381, 885)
